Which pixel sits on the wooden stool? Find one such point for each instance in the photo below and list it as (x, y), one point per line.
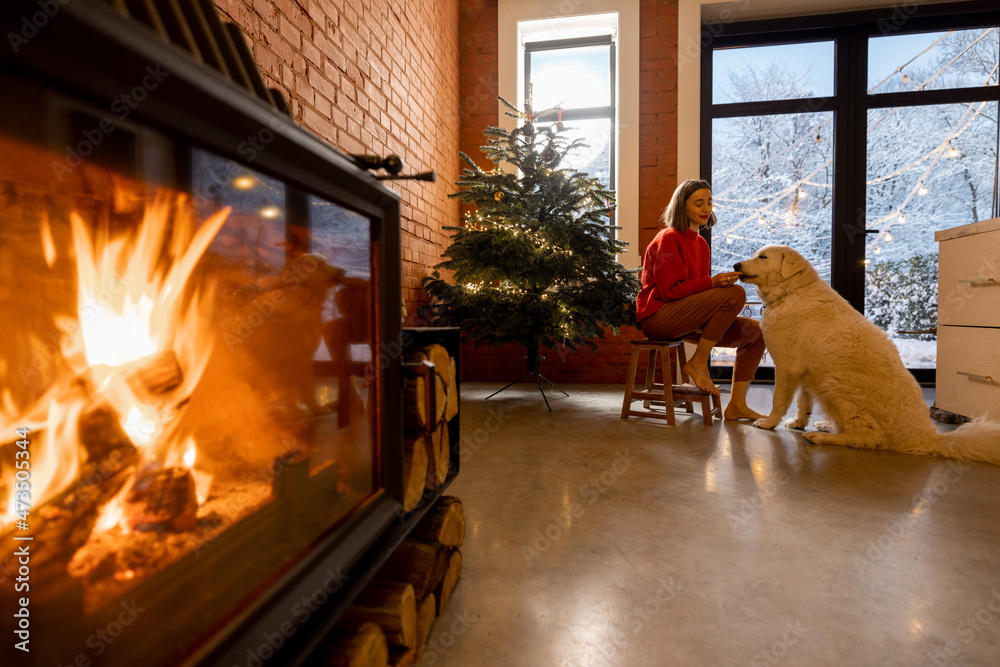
(668, 392)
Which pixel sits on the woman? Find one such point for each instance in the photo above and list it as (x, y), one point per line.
(679, 299)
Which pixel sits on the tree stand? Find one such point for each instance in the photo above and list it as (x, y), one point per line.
(532, 372)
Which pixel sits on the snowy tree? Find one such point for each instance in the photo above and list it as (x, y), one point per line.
(928, 168)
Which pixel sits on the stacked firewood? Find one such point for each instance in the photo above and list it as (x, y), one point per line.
(430, 399)
(391, 619)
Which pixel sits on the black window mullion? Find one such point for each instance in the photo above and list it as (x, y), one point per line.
(775, 107)
(919, 98)
(850, 169)
(707, 116)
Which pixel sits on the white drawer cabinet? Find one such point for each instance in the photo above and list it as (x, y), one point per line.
(968, 339)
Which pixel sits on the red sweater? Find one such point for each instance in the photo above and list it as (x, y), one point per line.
(676, 265)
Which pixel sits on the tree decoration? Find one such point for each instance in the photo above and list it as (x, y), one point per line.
(536, 266)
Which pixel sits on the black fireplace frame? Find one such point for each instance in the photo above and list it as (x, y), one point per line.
(92, 51)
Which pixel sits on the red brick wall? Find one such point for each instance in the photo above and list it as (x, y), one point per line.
(658, 112)
(372, 76)
(419, 79)
(478, 86)
(657, 175)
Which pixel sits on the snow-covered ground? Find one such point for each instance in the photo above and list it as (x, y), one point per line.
(915, 354)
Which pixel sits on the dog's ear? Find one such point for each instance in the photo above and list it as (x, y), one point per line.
(791, 263)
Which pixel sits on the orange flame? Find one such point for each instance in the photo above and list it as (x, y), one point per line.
(113, 515)
(132, 304)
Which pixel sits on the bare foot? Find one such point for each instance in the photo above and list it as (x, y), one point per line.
(701, 378)
(738, 412)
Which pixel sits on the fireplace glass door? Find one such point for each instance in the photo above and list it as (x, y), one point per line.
(186, 356)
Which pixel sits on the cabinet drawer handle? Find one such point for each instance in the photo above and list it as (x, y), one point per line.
(976, 376)
(979, 281)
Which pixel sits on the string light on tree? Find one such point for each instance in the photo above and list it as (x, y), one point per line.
(547, 256)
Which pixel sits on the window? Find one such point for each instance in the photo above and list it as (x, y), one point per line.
(854, 141)
(578, 77)
(525, 21)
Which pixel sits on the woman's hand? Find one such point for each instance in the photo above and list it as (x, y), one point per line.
(725, 279)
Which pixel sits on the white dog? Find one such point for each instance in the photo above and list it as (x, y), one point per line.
(825, 348)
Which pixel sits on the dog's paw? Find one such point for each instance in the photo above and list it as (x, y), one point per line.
(766, 423)
(825, 425)
(797, 423)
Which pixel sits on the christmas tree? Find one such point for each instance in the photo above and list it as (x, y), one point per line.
(535, 263)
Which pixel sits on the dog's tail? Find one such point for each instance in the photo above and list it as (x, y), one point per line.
(978, 440)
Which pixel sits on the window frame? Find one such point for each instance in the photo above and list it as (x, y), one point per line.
(587, 113)
(850, 104)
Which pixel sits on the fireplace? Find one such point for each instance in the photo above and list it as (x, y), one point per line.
(201, 456)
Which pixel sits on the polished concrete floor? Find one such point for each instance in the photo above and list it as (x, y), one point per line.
(593, 541)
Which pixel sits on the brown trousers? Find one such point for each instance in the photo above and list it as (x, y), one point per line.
(712, 315)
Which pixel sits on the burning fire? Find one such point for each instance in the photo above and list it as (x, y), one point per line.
(113, 515)
(140, 343)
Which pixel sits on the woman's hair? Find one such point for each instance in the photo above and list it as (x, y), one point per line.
(675, 215)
